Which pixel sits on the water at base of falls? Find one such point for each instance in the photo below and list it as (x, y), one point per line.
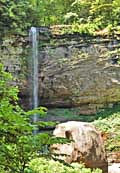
(33, 37)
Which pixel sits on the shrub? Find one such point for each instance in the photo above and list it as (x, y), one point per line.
(18, 145)
(42, 165)
(109, 125)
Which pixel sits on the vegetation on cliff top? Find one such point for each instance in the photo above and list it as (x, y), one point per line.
(85, 16)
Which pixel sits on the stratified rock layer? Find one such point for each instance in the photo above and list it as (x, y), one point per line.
(82, 73)
(87, 145)
(75, 71)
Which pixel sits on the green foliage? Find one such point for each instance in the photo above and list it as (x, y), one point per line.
(109, 124)
(42, 165)
(15, 16)
(84, 29)
(18, 145)
(13, 124)
(18, 16)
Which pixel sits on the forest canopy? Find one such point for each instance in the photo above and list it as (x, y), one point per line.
(18, 16)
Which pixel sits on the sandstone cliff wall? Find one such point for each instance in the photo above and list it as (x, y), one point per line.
(74, 71)
(80, 72)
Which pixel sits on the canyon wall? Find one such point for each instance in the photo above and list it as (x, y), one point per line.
(75, 71)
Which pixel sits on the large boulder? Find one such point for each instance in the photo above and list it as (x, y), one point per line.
(87, 145)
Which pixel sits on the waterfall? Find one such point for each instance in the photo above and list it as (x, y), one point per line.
(33, 37)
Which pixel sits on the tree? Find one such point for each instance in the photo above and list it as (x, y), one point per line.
(17, 143)
(15, 16)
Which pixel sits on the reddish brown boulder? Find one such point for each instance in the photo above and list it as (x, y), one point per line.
(87, 145)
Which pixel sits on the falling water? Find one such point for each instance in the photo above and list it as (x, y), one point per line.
(33, 36)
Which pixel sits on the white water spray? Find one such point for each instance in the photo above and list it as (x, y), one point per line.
(33, 36)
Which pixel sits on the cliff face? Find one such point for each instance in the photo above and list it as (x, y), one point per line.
(75, 71)
(80, 72)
